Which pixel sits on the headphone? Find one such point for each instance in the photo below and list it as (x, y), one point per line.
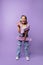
(21, 19)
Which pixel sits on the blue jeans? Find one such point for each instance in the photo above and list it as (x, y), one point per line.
(26, 46)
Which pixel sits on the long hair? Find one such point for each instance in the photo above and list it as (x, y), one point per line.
(25, 18)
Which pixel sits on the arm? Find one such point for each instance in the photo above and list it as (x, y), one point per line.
(18, 27)
(26, 32)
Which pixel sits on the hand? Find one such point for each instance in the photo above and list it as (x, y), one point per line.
(30, 39)
(24, 38)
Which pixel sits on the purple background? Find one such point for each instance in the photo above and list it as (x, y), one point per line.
(10, 12)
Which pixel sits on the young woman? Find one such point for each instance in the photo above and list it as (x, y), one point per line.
(23, 29)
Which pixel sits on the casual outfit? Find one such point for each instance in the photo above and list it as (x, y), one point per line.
(23, 28)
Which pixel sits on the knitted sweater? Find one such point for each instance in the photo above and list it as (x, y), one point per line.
(23, 28)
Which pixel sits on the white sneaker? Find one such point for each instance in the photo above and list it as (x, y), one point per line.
(27, 58)
(17, 57)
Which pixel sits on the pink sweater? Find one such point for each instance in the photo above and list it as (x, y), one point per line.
(23, 28)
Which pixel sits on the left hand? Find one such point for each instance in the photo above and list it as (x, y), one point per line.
(24, 38)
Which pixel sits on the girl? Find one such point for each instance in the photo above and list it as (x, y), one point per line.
(23, 29)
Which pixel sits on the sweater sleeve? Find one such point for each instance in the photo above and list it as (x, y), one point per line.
(18, 24)
(27, 27)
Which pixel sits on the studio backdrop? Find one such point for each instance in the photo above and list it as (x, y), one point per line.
(10, 13)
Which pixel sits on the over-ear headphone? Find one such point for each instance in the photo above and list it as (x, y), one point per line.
(20, 20)
(25, 18)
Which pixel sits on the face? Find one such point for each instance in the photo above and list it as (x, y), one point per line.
(23, 19)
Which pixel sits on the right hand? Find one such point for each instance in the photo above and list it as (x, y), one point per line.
(18, 29)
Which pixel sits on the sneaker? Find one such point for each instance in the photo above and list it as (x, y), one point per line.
(17, 57)
(27, 58)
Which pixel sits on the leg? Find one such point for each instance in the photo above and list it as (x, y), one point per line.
(19, 48)
(26, 46)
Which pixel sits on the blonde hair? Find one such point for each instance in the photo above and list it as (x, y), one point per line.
(25, 18)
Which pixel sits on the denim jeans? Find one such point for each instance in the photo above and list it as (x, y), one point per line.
(26, 46)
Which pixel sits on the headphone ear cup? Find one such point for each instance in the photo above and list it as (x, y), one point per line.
(20, 19)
